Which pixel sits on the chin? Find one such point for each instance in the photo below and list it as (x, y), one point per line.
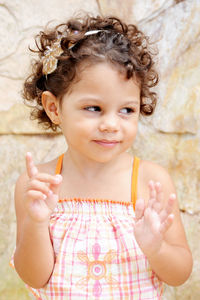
(105, 158)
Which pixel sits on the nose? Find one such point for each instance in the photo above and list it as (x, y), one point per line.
(109, 123)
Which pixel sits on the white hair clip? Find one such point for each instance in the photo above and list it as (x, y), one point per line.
(91, 32)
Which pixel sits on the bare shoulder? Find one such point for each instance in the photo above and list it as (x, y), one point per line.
(48, 167)
(151, 171)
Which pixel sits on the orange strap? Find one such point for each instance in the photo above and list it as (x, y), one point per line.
(59, 164)
(134, 181)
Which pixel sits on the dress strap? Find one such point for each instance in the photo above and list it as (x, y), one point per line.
(59, 164)
(134, 180)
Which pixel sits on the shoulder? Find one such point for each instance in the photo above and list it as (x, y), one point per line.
(48, 167)
(151, 171)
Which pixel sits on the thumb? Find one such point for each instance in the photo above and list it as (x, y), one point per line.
(55, 187)
(139, 209)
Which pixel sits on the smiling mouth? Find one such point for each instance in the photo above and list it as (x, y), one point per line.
(106, 143)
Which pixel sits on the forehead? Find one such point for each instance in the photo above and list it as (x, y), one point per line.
(105, 81)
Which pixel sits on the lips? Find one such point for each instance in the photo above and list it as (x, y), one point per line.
(107, 143)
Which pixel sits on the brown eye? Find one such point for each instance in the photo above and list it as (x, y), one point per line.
(127, 110)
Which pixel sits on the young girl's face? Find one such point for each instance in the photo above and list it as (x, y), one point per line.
(99, 116)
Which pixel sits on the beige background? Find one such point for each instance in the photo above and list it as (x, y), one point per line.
(170, 137)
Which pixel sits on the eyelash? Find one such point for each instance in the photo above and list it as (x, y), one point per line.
(98, 109)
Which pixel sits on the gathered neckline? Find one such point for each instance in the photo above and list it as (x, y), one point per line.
(97, 200)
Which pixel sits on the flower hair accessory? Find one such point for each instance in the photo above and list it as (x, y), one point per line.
(50, 59)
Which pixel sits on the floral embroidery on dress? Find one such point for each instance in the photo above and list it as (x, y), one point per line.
(97, 269)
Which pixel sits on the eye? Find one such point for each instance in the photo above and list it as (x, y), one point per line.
(127, 110)
(92, 108)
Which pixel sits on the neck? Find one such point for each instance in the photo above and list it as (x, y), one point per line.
(87, 168)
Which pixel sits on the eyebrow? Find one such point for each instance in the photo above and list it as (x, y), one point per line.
(132, 102)
(85, 99)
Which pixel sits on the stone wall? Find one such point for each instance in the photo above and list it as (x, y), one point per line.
(170, 137)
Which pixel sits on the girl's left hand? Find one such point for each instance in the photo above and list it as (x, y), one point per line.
(153, 220)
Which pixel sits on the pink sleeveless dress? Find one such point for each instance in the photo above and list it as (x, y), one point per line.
(97, 256)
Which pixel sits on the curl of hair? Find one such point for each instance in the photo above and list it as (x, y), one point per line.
(120, 44)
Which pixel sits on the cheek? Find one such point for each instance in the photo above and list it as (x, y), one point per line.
(78, 127)
(131, 128)
(131, 136)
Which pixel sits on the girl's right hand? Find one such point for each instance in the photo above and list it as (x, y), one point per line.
(41, 193)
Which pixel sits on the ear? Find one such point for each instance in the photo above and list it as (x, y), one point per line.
(51, 106)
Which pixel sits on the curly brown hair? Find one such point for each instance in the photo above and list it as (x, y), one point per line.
(116, 42)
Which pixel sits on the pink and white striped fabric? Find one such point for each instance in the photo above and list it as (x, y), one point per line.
(97, 256)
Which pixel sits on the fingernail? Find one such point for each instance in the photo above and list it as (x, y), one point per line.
(44, 197)
(58, 178)
(50, 192)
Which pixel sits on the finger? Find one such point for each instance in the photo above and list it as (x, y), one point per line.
(166, 224)
(168, 209)
(51, 200)
(36, 195)
(139, 209)
(47, 178)
(152, 191)
(31, 168)
(151, 220)
(152, 194)
(55, 187)
(39, 186)
(157, 206)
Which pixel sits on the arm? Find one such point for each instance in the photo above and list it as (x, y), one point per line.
(36, 196)
(160, 233)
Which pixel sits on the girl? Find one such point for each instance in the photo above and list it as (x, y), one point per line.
(96, 223)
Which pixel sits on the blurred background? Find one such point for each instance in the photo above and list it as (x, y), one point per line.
(170, 137)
